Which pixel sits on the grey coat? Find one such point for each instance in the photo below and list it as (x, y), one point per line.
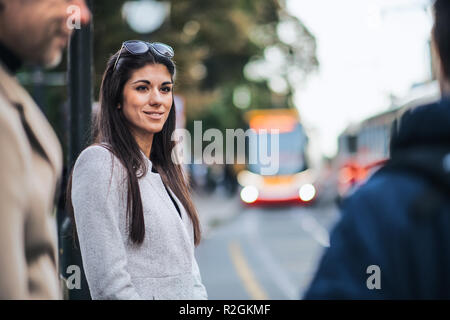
(163, 266)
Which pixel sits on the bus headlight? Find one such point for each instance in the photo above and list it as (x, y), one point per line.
(307, 192)
(249, 194)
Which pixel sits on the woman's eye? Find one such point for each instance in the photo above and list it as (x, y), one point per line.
(141, 88)
(166, 89)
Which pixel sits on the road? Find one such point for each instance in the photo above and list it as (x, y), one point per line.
(262, 253)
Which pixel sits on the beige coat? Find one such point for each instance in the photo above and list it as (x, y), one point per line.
(30, 167)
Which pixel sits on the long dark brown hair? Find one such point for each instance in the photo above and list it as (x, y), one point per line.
(111, 129)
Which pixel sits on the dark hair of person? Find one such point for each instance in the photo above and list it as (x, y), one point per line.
(441, 33)
(110, 129)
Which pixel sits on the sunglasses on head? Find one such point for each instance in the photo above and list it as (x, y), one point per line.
(141, 47)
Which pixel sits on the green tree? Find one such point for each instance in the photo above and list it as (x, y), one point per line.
(220, 46)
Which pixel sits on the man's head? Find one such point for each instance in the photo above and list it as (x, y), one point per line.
(38, 30)
(441, 42)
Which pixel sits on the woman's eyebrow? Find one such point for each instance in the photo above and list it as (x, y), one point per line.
(148, 82)
(145, 81)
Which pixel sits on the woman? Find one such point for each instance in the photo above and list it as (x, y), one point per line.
(135, 221)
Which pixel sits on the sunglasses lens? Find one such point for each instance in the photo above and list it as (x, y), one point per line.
(163, 49)
(136, 47)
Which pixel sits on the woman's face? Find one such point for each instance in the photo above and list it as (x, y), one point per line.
(147, 99)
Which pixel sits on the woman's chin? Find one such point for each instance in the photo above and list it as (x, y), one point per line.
(153, 129)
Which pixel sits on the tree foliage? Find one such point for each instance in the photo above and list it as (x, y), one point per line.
(219, 46)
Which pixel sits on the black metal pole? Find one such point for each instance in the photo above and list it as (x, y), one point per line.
(80, 88)
(80, 65)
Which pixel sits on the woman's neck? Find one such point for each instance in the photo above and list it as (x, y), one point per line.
(144, 142)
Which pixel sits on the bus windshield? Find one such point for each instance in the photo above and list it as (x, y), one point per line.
(291, 151)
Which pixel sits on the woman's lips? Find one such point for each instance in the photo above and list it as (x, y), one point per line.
(154, 115)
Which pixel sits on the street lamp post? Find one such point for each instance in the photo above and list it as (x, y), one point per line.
(80, 66)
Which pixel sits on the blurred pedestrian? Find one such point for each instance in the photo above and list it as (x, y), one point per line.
(393, 241)
(34, 32)
(230, 180)
(137, 226)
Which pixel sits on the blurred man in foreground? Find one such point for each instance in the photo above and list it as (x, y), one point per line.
(35, 32)
(393, 241)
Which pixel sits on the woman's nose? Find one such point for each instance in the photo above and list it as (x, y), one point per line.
(155, 98)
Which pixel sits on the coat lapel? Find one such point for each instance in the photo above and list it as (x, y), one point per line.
(34, 119)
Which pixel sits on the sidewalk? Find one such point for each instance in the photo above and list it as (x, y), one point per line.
(216, 208)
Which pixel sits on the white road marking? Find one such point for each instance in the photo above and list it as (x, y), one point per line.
(274, 270)
(310, 224)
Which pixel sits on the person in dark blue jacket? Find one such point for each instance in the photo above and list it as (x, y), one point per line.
(393, 241)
